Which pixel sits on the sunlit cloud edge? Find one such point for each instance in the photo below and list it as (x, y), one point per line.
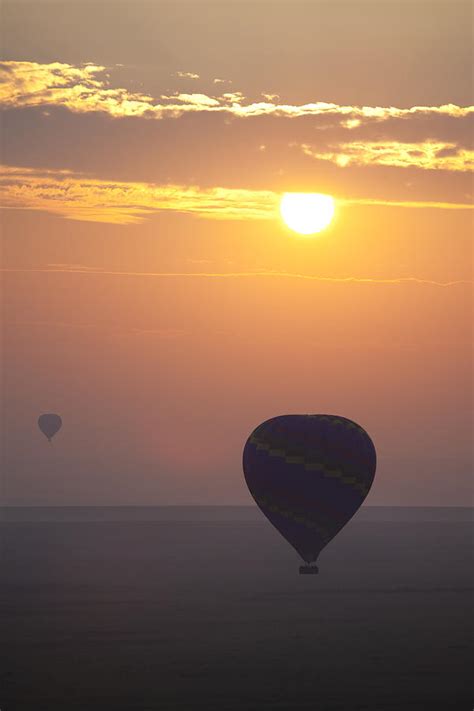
(87, 199)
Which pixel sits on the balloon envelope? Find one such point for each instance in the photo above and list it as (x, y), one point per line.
(309, 474)
(49, 424)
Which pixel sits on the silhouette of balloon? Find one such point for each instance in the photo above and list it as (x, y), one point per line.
(309, 474)
(49, 424)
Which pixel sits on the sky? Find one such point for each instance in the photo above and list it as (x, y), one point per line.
(151, 293)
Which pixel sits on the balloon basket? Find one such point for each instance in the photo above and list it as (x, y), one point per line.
(309, 570)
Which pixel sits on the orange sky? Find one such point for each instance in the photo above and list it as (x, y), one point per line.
(152, 295)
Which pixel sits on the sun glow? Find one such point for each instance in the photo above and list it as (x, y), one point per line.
(307, 213)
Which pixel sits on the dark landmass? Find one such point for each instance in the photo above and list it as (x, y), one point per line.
(133, 609)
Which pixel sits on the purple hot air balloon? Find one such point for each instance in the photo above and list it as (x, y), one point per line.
(309, 474)
(49, 424)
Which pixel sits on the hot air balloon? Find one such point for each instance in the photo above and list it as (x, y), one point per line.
(49, 424)
(309, 474)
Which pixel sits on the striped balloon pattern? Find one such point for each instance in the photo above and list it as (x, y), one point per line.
(309, 474)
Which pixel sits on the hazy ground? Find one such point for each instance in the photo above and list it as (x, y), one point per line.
(204, 609)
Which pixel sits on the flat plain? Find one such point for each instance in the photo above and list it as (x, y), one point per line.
(175, 608)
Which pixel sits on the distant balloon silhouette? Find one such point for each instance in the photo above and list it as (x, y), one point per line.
(309, 474)
(49, 424)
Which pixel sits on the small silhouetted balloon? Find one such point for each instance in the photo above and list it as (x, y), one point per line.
(309, 474)
(49, 424)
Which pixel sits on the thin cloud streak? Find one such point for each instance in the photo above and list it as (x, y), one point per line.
(173, 334)
(87, 199)
(236, 275)
(163, 333)
(417, 204)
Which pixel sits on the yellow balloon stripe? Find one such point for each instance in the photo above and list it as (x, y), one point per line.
(309, 466)
(294, 516)
(348, 424)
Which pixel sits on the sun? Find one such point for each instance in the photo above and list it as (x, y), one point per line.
(307, 213)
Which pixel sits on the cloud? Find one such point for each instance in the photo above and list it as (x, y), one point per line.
(234, 97)
(415, 281)
(419, 204)
(187, 75)
(428, 155)
(62, 265)
(88, 199)
(86, 88)
(76, 88)
(84, 198)
(163, 333)
(202, 101)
